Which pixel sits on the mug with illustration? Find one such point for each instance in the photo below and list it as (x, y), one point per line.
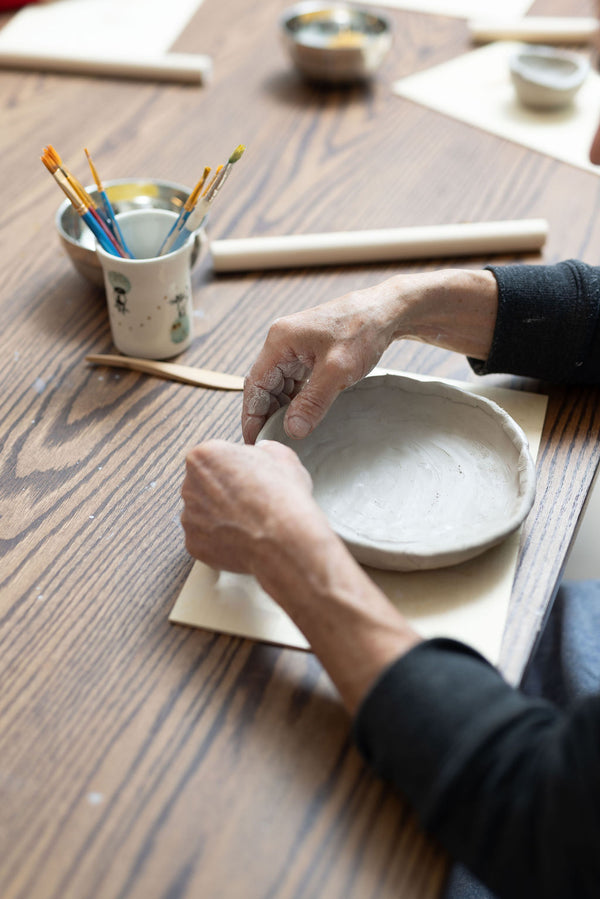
(149, 297)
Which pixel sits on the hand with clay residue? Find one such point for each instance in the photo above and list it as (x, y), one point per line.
(250, 509)
(308, 358)
(240, 503)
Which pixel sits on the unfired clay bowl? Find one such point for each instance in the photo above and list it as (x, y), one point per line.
(547, 78)
(416, 474)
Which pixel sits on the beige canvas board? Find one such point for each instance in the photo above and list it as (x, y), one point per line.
(476, 88)
(110, 28)
(462, 9)
(468, 602)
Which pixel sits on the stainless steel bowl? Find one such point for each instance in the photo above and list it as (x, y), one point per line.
(334, 42)
(124, 194)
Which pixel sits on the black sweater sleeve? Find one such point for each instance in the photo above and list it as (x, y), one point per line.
(509, 785)
(548, 323)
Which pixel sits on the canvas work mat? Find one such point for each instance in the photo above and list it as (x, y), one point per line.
(476, 88)
(98, 27)
(462, 9)
(468, 602)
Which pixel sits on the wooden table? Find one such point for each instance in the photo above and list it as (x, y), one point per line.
(140, 759)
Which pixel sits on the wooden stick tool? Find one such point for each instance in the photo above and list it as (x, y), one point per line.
(186, 374)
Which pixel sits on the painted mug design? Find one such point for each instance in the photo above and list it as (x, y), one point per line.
(180, 328)
(121, 287)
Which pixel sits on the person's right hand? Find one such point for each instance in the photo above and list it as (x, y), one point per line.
(241, 503)
(308, 358)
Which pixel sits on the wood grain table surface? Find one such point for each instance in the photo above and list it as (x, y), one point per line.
(142, 759)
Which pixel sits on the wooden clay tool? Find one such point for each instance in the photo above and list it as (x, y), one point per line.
(186, 374)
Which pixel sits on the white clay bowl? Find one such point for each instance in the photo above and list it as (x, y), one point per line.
(416, 474)
(547, 78)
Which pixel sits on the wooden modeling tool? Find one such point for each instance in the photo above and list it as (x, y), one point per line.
(186, 374)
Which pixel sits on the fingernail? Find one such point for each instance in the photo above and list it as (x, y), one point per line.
(297, 427)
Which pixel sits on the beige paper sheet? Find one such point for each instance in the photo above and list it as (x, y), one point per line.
(468, 602)
(111, 29)
(476, 88)
(462, 9)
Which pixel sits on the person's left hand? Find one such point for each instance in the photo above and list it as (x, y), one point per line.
(240, 502)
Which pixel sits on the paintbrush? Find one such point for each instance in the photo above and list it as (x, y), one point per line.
(108, 210)
(52, 155)
(200, 209)
(86, 198)
(184, 212)
(105, 241)
(224, 175)
(197, 217)
(54, 163)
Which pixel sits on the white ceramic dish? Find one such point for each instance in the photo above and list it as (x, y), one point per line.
(416, 474)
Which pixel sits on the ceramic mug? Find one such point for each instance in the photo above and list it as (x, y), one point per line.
(149, 297)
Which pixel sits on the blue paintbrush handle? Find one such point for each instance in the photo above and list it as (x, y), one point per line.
(98, 233)
(174, 231)
(181, 239)
(113, 223)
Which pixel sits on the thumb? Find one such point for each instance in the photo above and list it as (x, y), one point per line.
(312, 403)
(276, 450)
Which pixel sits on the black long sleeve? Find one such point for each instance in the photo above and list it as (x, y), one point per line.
(510, 785)
(548, 323)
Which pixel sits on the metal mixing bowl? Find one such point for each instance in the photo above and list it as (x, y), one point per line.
(334, 42)
(124, 194)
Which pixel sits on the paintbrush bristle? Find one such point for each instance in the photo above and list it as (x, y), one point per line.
(193, 197)
(95, 174)
(49, 163)
(214, 178)
(53, 154)
(49, 160)
(236, 154)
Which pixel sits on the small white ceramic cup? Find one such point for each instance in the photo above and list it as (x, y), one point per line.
(150, 297)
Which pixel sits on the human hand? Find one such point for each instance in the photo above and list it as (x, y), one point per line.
(249, 509)
(308, 358)
(242, 502)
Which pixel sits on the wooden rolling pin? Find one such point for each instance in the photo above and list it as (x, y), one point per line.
(192, 68)
(199, 377)
(535, 30)
(390, 245)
